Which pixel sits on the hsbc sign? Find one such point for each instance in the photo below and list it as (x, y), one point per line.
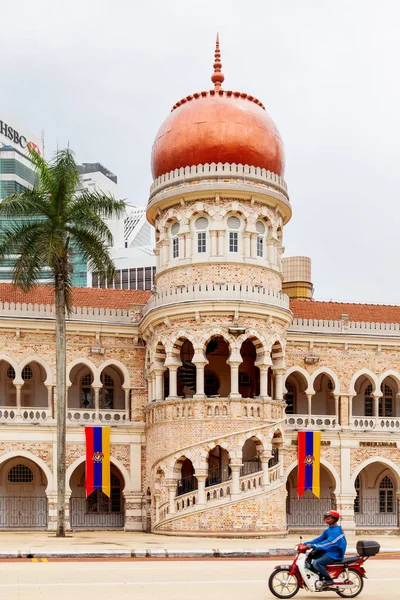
(16, 138)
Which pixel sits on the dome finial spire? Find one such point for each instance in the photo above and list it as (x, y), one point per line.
(217, 77)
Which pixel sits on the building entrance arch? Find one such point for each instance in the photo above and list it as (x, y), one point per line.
(308, 511)
(97, 511)
(23, 499)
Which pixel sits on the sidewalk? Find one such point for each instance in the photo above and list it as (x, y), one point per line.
(122, 544)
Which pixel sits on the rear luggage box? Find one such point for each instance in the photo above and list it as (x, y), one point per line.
(367, 548)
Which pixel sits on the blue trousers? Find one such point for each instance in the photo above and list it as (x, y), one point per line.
(320, 563)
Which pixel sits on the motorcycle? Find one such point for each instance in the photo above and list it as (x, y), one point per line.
(348, 575)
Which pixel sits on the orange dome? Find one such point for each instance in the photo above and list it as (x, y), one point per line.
(217, 126)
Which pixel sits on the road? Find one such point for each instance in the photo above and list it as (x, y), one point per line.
(166, 580)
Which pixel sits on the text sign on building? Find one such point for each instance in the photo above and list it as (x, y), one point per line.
(10, 135)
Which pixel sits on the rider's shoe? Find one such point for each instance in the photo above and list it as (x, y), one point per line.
(326, 583)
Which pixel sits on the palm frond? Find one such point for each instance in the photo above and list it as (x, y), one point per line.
(93, 249)
(15, 236)
(29, 203)
(106, 206)
(65, 172)
(45, 180)
(79, 215)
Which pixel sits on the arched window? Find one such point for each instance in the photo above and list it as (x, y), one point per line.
(233, 234)
(386, 402)
(357, 507)
(289, 398)
(11, 373)
(260, 227)
(27, 373)
(175, 240)
(87, 391)
(368, 401)
(20, 474)
(386, 495)
(201, 225)
(107, 392)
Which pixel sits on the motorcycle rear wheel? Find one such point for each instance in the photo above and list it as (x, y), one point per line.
(282, 584)
(355, 577)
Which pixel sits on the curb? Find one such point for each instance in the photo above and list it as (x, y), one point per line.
(163, 553)
(149, 553)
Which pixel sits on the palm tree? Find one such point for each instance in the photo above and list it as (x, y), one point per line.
(45, 225)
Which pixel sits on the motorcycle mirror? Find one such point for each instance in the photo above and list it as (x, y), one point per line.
(301, 537)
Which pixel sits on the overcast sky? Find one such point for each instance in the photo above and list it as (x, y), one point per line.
(103, 75)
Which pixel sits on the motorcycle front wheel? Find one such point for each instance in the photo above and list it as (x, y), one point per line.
(282, 584)
(356, 579)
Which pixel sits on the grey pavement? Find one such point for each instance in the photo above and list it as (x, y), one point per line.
(164, 580)
(126, 544)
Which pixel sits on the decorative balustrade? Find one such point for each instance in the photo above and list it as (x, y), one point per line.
(220, 492)
(24, 415)
(43, 416)
(251, 483)
(185, 501)
(248, 409)
(78, 313)
(107, 417)
(211, 292)
(346, 327)
(311, 422)
(238, 175)
(274, 473)
(376, 423)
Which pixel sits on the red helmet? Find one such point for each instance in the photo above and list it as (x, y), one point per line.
(332, 513)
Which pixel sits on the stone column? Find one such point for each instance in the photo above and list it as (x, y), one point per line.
(173, 381)
(345, 506)
(271, 251)
(134, 511)
(188, 245)
(199, 361)
(253, 245)
(171, 485)
(376, 406)
(309, 407)
(18, 388)
(52, 513)
(50, 401)
(172, 363)
(235, 488)
(278, 381)
(97, 401)
(234, 361)
(213, 241)
(246, 244)
(265, 468)
(350, 399)
(336, 409)
(127, 406)
(264, 381)
(149, 388)
(159, 374)
(165, 253)
(201, 477)
(344, 408)
(221, 243)
(156, 495)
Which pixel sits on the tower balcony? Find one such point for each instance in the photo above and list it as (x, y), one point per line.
(215, 292)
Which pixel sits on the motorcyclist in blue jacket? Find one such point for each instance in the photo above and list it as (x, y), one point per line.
(329, 547)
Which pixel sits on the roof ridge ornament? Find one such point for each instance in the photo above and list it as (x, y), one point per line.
(217, 77)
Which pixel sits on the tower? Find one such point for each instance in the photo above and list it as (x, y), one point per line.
(215, 326)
